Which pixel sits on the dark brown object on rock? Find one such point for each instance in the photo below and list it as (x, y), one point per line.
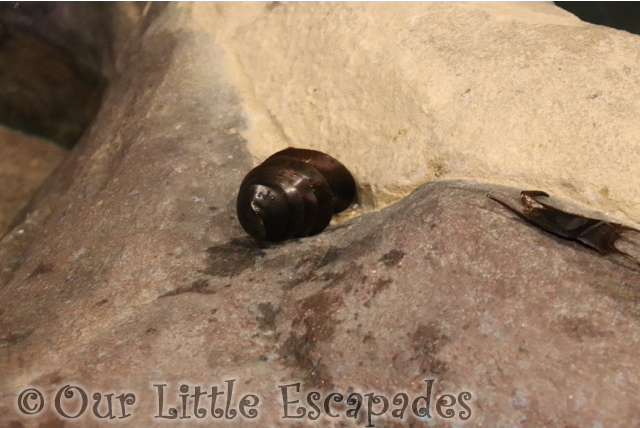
(293, 193)
(598, 234)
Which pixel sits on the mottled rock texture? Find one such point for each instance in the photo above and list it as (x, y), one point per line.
(130, 269)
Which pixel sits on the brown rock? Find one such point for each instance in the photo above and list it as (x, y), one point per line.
(52, 67)
(25, 162)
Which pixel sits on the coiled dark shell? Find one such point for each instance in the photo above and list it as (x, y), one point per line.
(293, 193)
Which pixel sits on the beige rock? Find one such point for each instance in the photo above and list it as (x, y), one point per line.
(25, 161)
(520, 94)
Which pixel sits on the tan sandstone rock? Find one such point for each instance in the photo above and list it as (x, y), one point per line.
(522, 94)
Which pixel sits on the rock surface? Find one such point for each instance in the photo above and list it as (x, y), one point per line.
(130, 269)
(25, 162)
(418, 290)
(522, 94)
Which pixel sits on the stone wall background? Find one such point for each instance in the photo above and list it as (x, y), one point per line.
(128, 266)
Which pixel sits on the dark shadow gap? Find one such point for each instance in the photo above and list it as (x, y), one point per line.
(51, 67)
(619, 15)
